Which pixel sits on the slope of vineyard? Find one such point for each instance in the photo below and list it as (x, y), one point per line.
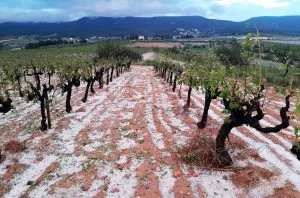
(122, 143)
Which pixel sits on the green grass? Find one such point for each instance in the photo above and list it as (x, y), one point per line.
(198, 50)
(295, 48)
(12, 43)
(275, 76)
(71, 47)
(142, 50)
(87, 48)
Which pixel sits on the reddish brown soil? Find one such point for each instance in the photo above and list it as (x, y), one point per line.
(14, 147)
(288, 191)
(124, 142)
(250, 176)
(156, 44)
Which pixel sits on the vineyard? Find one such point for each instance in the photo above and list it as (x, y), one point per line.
(103, 124)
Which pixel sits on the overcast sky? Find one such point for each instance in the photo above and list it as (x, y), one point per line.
(67, 10)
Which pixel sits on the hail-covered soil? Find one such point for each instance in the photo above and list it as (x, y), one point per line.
(124, 142)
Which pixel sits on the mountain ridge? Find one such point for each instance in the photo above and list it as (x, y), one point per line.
(165, 25)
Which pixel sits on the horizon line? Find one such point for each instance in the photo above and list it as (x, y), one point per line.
(145, 17)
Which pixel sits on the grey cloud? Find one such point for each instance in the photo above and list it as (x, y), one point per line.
(218, 9)
(57, 10)
(32, 16)
(195, 11)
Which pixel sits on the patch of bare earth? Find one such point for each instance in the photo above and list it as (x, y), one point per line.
(125, 141)
(156, 44)
(14, 146)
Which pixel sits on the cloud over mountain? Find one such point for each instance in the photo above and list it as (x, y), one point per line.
(67, 10)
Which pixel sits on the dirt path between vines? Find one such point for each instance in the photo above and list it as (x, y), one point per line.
(123, 143)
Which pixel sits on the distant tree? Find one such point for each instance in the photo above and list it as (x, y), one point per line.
(43, 43)
(285, 55)
(188, 36)
(133, 37)
(231, 55)
(186, 47)
(174, 50)
(112, 50)
(82, 40)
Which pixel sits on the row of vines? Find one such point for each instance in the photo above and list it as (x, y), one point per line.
(241, 87)
(37, 76)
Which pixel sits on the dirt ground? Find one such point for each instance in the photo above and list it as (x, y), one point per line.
(149, 56)
(123, 142)
(156, 44)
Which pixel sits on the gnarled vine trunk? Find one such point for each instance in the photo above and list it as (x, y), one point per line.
(42, 98)
(47, 104)
(202, 124)
(220, 143)
(43, 114)
(174, 83)
(117, 71)
(96, 77)
(101, 78)
(171, 78)
(168, 76)
(188, 102)
(208, 99)
(1, 157)
(111, 74)
(68, 89)
(92, 86)
(89, 82)
(165, 74)
(37, 79)
(6, 104)
(240, 117)
(107, 77)
(21, 94)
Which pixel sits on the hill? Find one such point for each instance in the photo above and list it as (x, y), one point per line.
(123, 26)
